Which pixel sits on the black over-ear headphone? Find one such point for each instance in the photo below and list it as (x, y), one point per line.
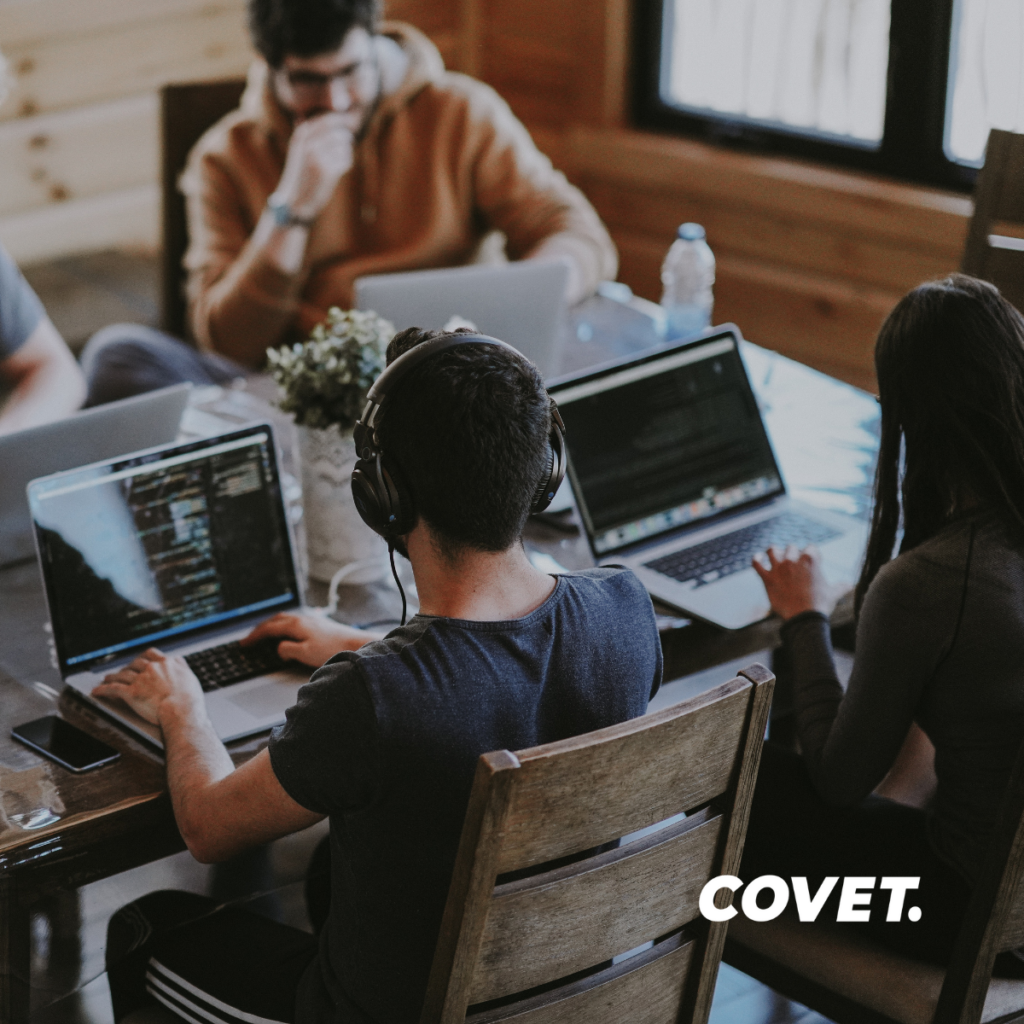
(382, 497)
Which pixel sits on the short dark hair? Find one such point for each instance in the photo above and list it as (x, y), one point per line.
(468, 429)
(306, 28)
(950, 365)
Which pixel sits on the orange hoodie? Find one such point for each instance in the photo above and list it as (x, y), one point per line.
(442, 163)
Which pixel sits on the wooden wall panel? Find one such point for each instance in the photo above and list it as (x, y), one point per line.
(74, 154)
(65, 71)
(435, 17)
(528, 52)
(28, 21)
(127, 217)
(529, 73)
(844, 200)
(810, 260)
(763, 235)
(603, 64)
(558, 63)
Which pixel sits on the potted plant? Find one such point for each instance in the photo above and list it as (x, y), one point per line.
(323, 383)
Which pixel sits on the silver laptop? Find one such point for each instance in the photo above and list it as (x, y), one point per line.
(675, 477)
(87, 436)
(185, 548)
(522, 303)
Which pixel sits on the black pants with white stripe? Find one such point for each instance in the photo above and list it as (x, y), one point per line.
(209, 964)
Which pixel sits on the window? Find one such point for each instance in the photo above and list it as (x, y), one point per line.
(986, 75)
(798, 66)
(903, 87)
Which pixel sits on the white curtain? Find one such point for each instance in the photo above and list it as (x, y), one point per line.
(813, 64)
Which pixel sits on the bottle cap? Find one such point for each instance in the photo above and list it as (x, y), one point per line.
(691, 232)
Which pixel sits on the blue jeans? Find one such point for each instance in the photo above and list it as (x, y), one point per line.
(129, 359)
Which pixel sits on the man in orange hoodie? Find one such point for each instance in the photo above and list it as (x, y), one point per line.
(353, 152)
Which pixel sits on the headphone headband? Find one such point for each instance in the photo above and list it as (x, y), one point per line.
(365, 430)
(380, 388)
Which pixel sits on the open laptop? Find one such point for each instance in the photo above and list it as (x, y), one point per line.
(675, 477)
(87, 436)
(523, 303)
(184, 547)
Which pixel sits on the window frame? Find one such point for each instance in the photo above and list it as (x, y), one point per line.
(912, 146)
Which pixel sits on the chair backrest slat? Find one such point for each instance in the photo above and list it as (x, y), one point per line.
(994, 921)
(654, 980)
(540, 943)
(542, 929)
(186, 111)
(1008, 845)
(574, 796)
(999, 212)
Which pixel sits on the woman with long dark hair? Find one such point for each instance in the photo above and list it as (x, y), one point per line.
(940, 630)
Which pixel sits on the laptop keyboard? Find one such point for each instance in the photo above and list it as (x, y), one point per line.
(232, 663)
(732, 552)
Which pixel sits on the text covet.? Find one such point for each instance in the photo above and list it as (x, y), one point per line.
(854, 897)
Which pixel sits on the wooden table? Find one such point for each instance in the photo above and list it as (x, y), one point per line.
(59, 831)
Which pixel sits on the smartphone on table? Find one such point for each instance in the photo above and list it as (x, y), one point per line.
(65, 743)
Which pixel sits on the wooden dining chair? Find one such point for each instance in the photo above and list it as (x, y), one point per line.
(995, 239)
(543, 904)
(186, 111)
(853, 981)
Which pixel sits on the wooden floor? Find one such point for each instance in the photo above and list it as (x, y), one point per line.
(82, 294)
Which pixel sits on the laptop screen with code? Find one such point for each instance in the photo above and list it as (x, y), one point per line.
(154, 547)
(670, 440)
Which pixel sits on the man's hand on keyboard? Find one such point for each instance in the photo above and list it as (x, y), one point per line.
(310, 638)
(794, 581)
(149, 681)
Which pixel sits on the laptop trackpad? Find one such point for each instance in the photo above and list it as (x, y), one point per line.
(265, 700)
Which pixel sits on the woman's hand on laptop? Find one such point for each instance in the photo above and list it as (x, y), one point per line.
(794, 581)
(149, 681)
(309, 637)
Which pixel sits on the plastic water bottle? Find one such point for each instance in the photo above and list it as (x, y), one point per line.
(688, 275)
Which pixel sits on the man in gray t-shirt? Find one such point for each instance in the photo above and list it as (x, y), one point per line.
(39, 378)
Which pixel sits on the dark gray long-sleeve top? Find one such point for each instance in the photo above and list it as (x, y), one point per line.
(940, 641)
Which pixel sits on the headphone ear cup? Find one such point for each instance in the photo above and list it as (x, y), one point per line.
(382, 499)
(552, 479)
(371, 499)
(538, 504)
(402, 517)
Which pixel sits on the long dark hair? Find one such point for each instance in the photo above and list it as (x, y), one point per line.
(950, 365)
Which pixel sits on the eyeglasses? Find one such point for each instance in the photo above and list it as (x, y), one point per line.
(310, 83)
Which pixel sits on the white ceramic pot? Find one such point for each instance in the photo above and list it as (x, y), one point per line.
(335, 535)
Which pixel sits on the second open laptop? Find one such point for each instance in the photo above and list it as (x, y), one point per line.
(523, 303)
(88, 436)
(185, 548)
(675, 477)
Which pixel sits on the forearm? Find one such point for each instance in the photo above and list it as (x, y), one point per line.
(589, 262)
(196, 761)
(545, 217)
(541, 214)
(48, 384)
(850, 740)
(817, 692)
(41, 397)
(252, 306)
